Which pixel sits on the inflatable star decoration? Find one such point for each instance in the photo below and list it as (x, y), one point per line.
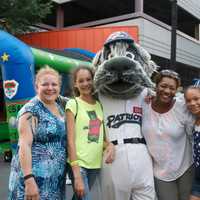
(5, 57)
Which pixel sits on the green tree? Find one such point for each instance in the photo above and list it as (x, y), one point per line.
(17, 16)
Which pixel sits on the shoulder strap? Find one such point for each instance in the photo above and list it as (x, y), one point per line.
(104, 128)
(76, 108)
(101, 105)
(61, 100)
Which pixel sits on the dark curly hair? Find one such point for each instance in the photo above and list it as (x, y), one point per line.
(195, 87)
(167, 73)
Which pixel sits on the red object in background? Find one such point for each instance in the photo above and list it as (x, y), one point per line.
(90, 39)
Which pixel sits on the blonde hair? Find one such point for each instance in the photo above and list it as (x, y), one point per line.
(47, 70)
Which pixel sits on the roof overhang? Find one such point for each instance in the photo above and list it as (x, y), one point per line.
(62, 1)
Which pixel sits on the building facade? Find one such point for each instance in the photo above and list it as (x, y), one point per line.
(154, 19)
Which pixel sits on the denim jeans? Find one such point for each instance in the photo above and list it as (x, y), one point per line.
(89, 176)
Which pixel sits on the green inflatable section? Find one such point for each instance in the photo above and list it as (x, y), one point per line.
(62, 64)
(4, 130)
(59, 63)
(5, 144)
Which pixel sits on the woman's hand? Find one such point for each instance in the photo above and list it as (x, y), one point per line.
(109, 153)
(150, 95)
(79, 186)
(31, 190)
(78, 181)
(148, 99)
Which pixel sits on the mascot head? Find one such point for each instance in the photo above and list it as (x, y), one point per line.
(122, 67)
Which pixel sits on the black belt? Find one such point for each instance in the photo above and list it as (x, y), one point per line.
(131, 141)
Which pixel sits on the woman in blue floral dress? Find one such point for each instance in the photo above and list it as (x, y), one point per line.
(38, 168)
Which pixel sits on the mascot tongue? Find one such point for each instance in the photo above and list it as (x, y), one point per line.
(123, 68)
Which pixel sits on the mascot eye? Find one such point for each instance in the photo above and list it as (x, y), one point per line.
(110, 56)
(130, 55)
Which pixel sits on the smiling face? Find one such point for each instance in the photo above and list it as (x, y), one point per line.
(166, 90)
(48, 88)
(84, 82)
(192, 98)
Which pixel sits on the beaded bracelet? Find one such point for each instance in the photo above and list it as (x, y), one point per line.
(74, 163)
(28, 176)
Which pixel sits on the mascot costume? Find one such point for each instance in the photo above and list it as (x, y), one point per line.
(122, 76)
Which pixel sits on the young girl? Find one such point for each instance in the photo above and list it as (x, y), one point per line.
(86, 133)
(192, 98)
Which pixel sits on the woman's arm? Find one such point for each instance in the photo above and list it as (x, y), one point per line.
(26, 130)
(109, 150)
(78, 182)
(109, 153)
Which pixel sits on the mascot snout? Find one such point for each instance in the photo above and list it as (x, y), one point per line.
(119, 65)
(121, 78)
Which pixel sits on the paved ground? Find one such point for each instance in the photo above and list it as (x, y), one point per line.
(4, 175)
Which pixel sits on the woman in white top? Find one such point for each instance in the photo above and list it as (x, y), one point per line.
(165, 126)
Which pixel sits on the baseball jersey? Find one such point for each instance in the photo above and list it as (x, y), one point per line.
(123, 118)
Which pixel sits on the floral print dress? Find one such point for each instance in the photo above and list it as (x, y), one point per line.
(48, 155)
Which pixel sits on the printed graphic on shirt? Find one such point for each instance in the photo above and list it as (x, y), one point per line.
(137, 110)
(115, 121)
(94, 127)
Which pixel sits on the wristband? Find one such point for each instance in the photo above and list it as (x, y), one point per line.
(74, 163)
(28, 176)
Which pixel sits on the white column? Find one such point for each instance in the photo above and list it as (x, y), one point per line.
(139, 5)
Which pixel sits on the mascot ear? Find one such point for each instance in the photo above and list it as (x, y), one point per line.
(100, 56)
(153, 66)
(144, 54)
(97, 60)
(149, 65)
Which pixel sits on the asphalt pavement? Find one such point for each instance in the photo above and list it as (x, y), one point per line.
(4, 176)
